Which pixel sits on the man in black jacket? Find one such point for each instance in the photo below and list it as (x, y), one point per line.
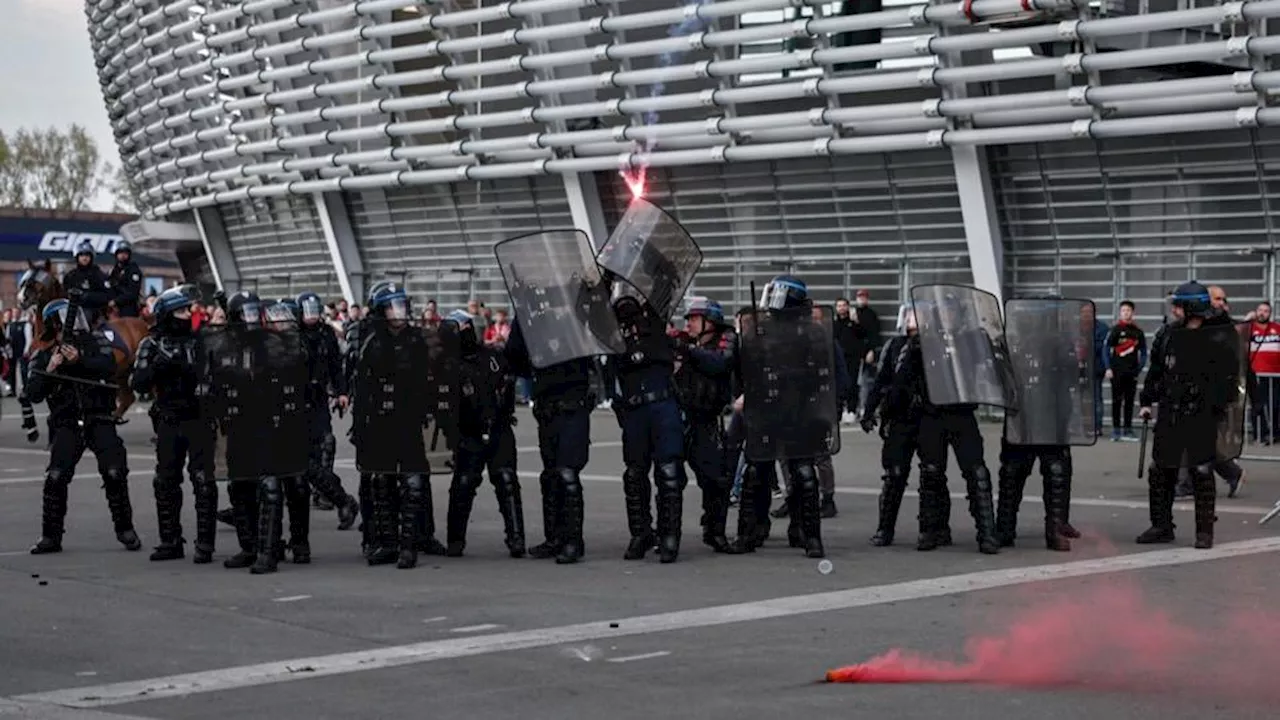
(86, 284)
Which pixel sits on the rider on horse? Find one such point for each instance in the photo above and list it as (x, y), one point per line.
(86, 284)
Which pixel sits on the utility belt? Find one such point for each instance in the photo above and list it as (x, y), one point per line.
(649, 398)
(544, 410)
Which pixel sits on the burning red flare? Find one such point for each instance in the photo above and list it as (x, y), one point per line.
(635, 180)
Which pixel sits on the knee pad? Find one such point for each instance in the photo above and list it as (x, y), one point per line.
(671, 476)
(1057, 468)
(569, 481)
(270, 485)
(632, 474)
(931, 472)
(979, 476)
(114, 477)
(508, 480)
(897, 474)
(467, 482)
(1201, 472)
(165, 483)
(328, 449)
(805, 477)
(414, 485)
(58, 477)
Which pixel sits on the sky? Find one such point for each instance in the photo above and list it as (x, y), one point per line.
(48, 75)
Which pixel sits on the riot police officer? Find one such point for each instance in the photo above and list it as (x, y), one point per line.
(485, 440)
(167, 366)
(1192, 379)
(703, 388)
(244, 316)
(784, 297)
(70, 376)
(393, 405)
(652, 431)
(355, 332)
(896, 401)
(86, 284)
(125, 281)
(326, 379)
(562, 404)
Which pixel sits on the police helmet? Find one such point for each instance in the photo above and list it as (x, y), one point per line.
(171, 300)
(707, 308)
(310, 307)
(390, 301)
(55, 315)
(784, 291)
(123, 246)
(84, 247)
(245, 307)
(280, 311)
(1193, 298)
(378, 287)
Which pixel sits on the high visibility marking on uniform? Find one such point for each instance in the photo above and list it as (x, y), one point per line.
(270, 673)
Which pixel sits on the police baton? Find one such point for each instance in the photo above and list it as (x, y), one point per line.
(1142, 447)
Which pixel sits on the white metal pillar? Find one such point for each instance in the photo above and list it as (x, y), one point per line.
(222, 261)
(584, 206)
(981, 225)
(341, 240)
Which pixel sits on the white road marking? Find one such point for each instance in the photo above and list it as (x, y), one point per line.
(30, 479)
(12, 553)
(11, 709)
(216, 680)
(45, 453)
(633, 658)
(291, 598)
(475, 628)
(442, 618)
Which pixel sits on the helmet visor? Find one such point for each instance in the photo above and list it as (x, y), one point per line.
(252, 313)
(311, 310)
(396, 309)
(279, 313)
(774, 296)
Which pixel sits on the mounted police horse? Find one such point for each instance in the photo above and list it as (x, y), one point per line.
(38, 286)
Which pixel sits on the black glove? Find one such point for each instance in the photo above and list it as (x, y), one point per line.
(75, 295)
(868, 422)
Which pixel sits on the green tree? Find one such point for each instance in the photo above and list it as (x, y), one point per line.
(126, 196)
(50, 169)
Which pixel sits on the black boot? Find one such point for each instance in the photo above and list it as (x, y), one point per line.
(244, 511)
(384, 542)
(427, 543)
(933, 487)
(227, 516)
(1206, 495)
(364, 491)
(715, 513)
(168, 492)
(54, 513)
(747, 515)
(462, 496)
(829, 506)
(116, 484)
(1013, 482)
(1057, 498)
(549, 486)
(671, 484)
(412, 500)
(205, 498)
(270, 525)
(1160, 483)
(810, 509)
(891, 493)
(511, 506)
(638, 493)
(297, 497)
(571, 515)
(982, 508)
(795, 532)
(1067, 530)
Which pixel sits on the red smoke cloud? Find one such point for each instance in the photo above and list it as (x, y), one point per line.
(1108, 636)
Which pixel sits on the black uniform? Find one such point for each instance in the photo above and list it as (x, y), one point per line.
(485, 441)
(896, 400)
(167, 365)
(562, 404)
(364, 489)
(326, 377)
(125, 286)
(652, 431)
(87, 288)
(703, 386)
(392, 407)
(80, 417)
(1188, 383)
(954, 427)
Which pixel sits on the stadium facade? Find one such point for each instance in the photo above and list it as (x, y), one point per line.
(1106, 151)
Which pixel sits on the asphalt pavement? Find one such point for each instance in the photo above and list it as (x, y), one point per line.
(1111, 630)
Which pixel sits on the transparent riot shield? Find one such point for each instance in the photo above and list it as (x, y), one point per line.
(558, 296)
(1052, 355)
(791, 406)
(653, 254)
(963, 346)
